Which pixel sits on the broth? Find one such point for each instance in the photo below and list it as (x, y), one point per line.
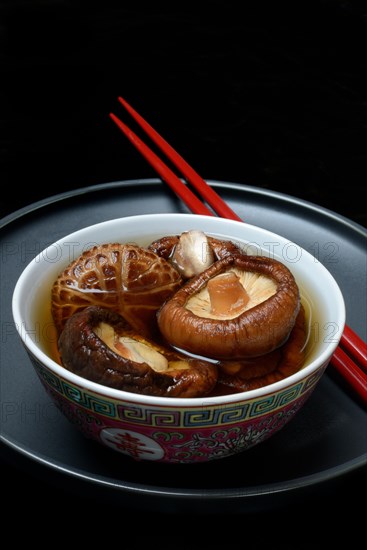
(47, 334)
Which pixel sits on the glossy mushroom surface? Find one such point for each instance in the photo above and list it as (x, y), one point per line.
(264, 322)
(193, 251)
(128, 279)
(256, 372)
(99, 345)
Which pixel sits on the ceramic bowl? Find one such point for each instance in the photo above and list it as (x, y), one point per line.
(167, 429)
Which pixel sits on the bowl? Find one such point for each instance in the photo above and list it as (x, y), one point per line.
(177, 429)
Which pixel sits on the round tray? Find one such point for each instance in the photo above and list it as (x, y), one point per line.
(324, 443)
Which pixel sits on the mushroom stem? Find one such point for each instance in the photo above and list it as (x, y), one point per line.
(227, 295)
(254, 331)
(192, 253)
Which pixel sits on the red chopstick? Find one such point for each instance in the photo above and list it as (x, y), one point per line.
(166, 173)
(354, 347)
(207, 192)
(346, 367)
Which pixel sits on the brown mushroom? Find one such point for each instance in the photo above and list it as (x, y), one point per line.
(123, 277)
(193, 251)
(247, 327)
(257, 372)
(99, 345)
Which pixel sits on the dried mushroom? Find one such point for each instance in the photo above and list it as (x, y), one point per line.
(128, 279)
(99, 345)
(256, 372)
(249, 312)
(188, 316)
(193, 251)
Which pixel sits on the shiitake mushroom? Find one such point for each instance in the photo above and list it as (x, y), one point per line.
(257, 372)
(126, 278)
(243, 311)
(98, 344)
(193, 251)
(252, 324)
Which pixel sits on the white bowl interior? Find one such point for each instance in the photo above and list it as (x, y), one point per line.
(321, 294)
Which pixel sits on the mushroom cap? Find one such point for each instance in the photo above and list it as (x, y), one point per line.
(253, 332)
(217, 248)
(85, 352)
(256, 372)
(126, 278)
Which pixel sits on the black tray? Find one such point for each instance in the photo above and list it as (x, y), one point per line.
(326, 442)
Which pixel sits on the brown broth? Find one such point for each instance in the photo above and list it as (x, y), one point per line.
(48, 339)
(47, 331)
(47, 334)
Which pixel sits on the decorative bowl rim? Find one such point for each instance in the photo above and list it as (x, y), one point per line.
(123, 396)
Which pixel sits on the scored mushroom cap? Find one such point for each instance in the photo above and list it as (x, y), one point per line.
(262, 322)
(124, 277)
(99, 345)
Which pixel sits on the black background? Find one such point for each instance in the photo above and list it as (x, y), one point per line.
(271, 94)
(268, 94)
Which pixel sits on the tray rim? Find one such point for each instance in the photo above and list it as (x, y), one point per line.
(300, 482)
(52, 199)
(234, 493)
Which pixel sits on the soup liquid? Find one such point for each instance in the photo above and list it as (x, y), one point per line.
(48, 335)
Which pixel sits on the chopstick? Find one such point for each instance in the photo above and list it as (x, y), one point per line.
(164, 171)
(207, 192)
(346, 367)
(350, 357)
(355, 346)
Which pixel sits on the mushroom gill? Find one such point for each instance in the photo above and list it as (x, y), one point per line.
(98, 344)
(228, 294)
(263, 321)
